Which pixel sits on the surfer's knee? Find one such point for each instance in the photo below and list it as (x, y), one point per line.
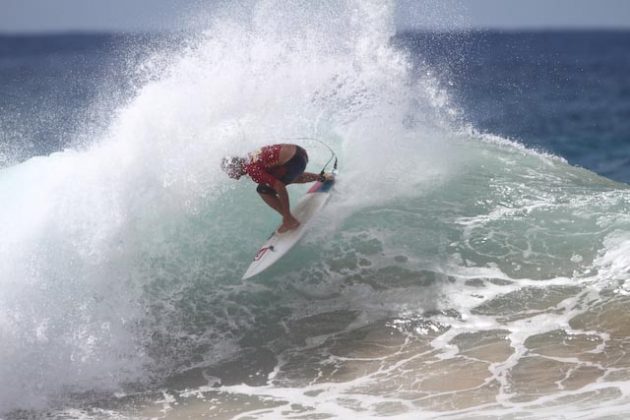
(264, 189)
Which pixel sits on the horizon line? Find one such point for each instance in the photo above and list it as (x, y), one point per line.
(149, 32)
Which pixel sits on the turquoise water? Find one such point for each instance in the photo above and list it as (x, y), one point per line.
(455, 272)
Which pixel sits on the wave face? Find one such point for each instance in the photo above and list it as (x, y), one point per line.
(453, 273)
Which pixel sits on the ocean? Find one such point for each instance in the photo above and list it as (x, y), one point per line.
(473, 262)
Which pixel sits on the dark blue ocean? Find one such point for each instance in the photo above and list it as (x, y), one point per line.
(564, 92)
(472, 263)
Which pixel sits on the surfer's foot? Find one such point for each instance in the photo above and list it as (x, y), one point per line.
(288, 225)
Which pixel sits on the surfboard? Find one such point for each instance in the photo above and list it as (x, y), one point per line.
(279, 244)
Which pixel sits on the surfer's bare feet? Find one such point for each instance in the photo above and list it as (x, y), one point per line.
(288, 224)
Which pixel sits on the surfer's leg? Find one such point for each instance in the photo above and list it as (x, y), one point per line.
(272, 201)
(269, 196)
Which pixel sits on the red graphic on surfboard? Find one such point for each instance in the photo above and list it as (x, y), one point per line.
(262, 251)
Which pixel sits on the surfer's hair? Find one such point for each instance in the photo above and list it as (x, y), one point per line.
(232, 165)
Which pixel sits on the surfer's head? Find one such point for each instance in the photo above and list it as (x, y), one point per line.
(234, 166)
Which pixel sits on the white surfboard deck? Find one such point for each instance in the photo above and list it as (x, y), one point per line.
(279, 244)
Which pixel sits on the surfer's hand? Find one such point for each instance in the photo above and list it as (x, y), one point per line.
(326, 177)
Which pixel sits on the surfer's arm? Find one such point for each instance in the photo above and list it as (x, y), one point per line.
(310, 177)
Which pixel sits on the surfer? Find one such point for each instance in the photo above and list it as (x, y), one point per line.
(273, 168)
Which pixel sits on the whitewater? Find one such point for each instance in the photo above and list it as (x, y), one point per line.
(454, 274)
